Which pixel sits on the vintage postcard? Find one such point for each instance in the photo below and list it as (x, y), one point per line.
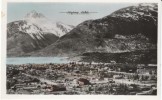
(77, 48)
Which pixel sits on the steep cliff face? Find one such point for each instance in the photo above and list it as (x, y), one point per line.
(128, 29)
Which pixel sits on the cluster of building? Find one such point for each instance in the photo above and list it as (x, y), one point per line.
(82, 78)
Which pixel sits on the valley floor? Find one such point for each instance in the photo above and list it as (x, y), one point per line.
(82, 78)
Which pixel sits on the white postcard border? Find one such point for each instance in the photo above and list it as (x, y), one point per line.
(74, 97)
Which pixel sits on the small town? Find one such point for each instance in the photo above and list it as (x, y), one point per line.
(80, 78)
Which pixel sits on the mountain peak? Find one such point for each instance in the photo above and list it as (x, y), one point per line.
(34, 14)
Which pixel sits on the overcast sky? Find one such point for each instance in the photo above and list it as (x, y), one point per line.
(17, 11)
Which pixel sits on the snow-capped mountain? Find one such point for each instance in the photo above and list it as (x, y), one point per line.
(32, 33)
(45, 25)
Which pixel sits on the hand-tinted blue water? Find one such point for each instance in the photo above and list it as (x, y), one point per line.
(37, 60)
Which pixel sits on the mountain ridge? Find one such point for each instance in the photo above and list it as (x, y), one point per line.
(112, 33)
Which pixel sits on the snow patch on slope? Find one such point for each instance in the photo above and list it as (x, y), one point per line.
(137, 11)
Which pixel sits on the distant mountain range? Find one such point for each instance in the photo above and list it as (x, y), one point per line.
(128, 29)
(33, 33)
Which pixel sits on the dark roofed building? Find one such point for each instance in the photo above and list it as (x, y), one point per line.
(83, 81)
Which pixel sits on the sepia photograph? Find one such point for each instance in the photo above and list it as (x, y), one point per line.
(79, 48)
